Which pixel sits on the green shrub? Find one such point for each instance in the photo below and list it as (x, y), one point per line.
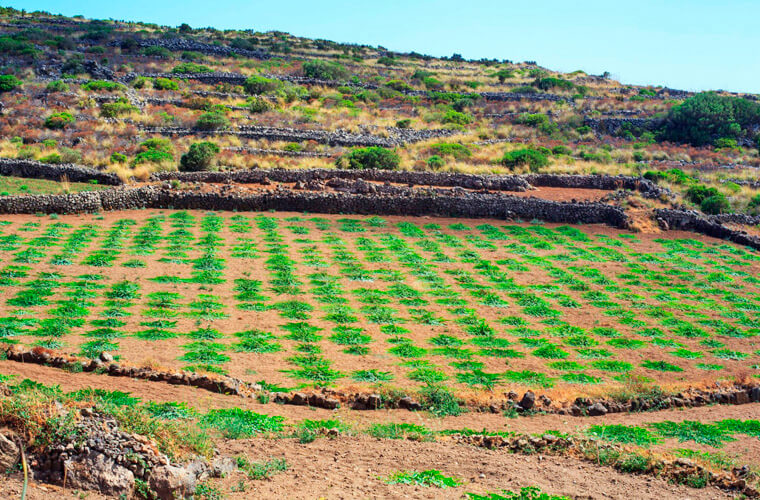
(707, 116)
(14, 47)
(165, 84)
(118, 158)
(190, 67)
(155, 150)
(435, 162)
(57, 86)
(398, 85)
(8, 83)
(212, 121)
(59, 121)
(439, 401)
(118, 108)
(404, 123)
(456, 117)
(199, 157)
(699, 192)
(550, 82)
(98, 85)
(430, 477)
(156, 51)
(716, 204)
(725, 143)
(324, 70)
(754, 204)
(256, 85)
(458, 151)
(533, 158)
(259, 105)
(371, 157)
(386, 61)
(561, 150)
(236, 423)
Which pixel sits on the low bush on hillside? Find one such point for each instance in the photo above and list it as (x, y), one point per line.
(458, 151)
(324, 70)
(190, 67)
(58, 121)
(98, 85)
(199, 157)
(529, 157)
(706, 117)
(371, 157)
(260, 85)
(57, 86)
(212, 121)
(154, 151)
(118, 108)
(165, 84)
(8, 83)
(709, 199)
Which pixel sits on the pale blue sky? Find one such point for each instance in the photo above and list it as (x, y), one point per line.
(691, 45)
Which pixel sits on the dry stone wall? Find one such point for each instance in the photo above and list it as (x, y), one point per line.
(709, 225)
(37, 170)
(472, 205)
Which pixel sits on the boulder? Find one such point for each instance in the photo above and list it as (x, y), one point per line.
(597, 409)
(9, 451)
(170, 482)
(98, 472)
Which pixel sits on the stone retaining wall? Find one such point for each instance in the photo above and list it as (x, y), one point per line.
(238, 79)
(471, 205)
(709, 225)
(396, 137)
(470, 181)
(37, 170)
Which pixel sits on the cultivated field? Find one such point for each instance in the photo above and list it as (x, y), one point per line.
(294, 299)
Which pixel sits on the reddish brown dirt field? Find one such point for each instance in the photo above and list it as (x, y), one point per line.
(269, 366)
(354, 466)
(349, 468)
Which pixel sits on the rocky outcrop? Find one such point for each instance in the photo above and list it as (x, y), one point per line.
(74, 173)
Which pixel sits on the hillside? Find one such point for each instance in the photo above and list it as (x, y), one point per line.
(131, 98)
(243, 265)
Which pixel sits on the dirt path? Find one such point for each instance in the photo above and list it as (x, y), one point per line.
(203, 400)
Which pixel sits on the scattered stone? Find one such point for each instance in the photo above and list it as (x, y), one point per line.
(528, 401)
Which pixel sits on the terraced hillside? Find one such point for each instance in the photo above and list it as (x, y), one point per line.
(237, 264)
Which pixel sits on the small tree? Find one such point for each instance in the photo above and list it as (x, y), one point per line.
(199, 158)
(371, 157)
